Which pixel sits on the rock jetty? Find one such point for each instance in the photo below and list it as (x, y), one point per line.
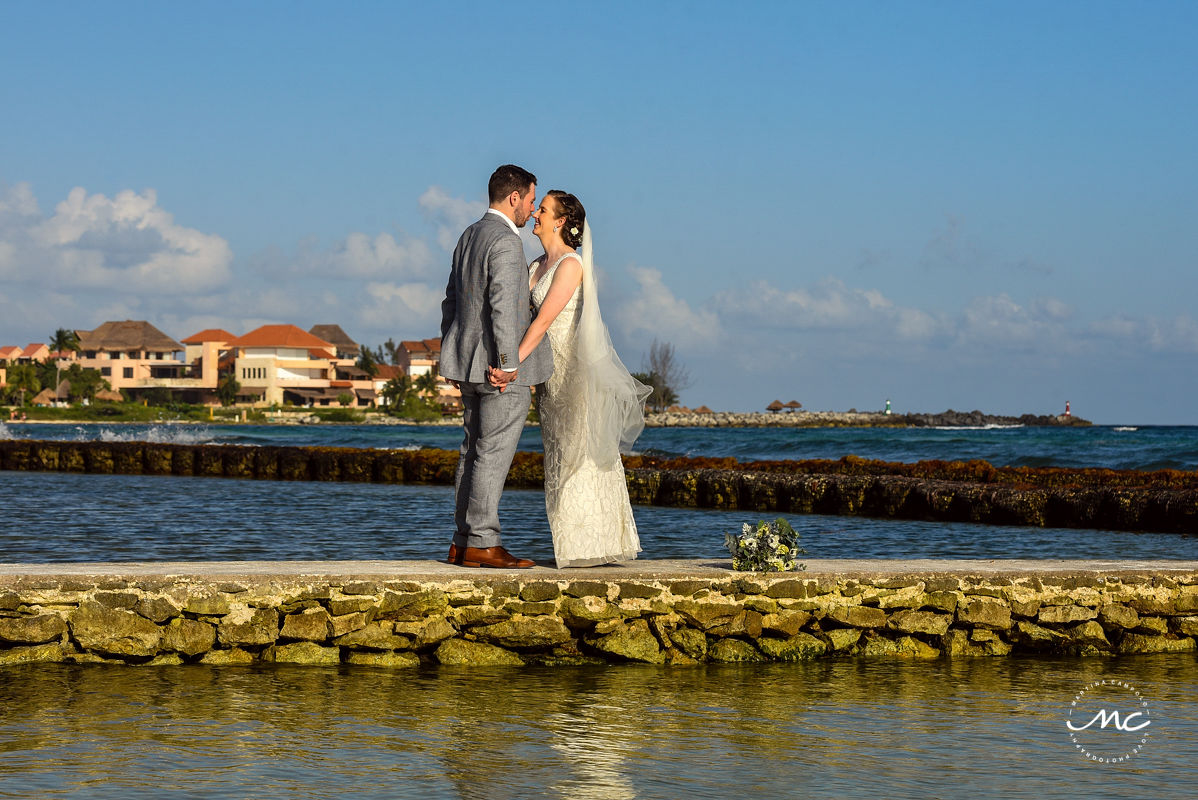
(851, 419)
(974, 491)
(401, 615)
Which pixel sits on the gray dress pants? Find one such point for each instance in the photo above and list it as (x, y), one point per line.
(493, 422)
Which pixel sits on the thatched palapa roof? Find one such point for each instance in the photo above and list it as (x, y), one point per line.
(334, 335)
(128, 335)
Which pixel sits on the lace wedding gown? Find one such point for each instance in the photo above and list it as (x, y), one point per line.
(588, 507)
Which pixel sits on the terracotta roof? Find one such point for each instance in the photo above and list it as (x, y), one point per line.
(414, 346)
(33, 349)
(209, 335)
(10, 351)
(387, 371)
(315, 353)
(127, 335)
(334, 335)
(280, 336)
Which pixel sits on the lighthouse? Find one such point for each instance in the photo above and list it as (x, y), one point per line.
(1067, 408)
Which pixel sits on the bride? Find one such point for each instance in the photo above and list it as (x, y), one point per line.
(591, 408)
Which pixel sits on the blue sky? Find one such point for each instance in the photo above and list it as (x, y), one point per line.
(966, 205)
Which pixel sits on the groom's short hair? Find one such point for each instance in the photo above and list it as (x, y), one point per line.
(507, 179)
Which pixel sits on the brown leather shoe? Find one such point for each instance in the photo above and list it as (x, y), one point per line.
(455, 554)
(495, 557)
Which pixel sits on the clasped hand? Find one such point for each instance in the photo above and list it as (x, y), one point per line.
(500, 378)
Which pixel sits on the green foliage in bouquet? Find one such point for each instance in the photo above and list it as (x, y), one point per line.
(766, 547)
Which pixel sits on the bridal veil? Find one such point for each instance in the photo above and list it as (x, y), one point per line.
(614, 399)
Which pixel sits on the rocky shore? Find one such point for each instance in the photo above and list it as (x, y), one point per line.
(400, 615)
(851, 419)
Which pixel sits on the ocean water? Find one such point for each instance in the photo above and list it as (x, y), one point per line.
(846, 728)
(53, 517)
(60, 517)
(1117, 447)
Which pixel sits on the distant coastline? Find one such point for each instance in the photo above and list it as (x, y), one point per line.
(714, 419)
(855, 419)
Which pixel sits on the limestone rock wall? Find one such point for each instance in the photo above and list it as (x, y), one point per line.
(675, 621)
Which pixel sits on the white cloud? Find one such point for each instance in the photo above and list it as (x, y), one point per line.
(450, 214)
(999, 323)
(1179, 334)
(828, 305)
(94, 242)
(652, 310)
(362, 256)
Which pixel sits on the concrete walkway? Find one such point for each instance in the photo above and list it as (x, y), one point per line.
(667, 569)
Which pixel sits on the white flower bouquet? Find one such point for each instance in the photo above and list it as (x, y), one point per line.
(766, 547)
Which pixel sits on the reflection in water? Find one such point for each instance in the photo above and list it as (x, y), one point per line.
(844, 728)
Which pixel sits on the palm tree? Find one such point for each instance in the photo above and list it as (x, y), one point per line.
(426, 384)
(396, 391)
(63, 340)
(23, 378)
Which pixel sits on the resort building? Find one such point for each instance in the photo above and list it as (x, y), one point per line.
(421, 357)
(203, 352)
(33, 353)
(283, 364)
(135, 356)
(273, 364)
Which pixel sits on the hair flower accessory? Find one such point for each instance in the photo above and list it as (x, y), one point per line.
(574, 231)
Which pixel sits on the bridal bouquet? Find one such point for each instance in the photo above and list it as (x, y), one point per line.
(766, 547)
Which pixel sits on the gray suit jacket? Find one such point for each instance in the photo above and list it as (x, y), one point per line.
(487, 308)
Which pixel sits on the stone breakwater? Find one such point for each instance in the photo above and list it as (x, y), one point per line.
(851, 419)
(1164, 501)
(392, 614)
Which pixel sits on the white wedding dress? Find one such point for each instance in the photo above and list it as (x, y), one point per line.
(586, 502)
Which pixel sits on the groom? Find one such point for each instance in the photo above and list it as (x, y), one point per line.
(485, 314)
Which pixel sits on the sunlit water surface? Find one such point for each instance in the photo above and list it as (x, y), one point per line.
(56, 517)
(853, 729)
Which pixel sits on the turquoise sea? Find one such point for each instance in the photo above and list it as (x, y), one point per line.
(834, 728)
(1142, 447)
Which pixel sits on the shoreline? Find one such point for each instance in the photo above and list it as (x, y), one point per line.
(715, 419)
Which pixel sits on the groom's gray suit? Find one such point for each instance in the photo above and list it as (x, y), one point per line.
(483, 318)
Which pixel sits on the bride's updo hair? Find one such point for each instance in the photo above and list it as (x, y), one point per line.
(572, 216)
